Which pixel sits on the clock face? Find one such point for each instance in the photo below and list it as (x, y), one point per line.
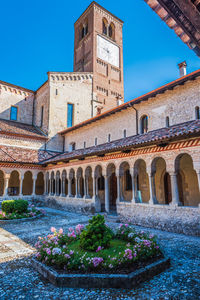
(107, 51)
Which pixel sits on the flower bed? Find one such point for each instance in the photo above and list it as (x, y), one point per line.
(18, 209)
(97, 249)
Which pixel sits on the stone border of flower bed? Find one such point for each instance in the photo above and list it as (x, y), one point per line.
(102, 280)
(21, 220)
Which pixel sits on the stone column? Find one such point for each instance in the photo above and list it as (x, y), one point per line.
(34, 184)
(93, 187)
(69, 187)
(107, 202)
(174, 187)
(6, 182)
(63, 186)
(96, 185)
(45, 185)
(119, 198)
(21, 186)
(133, 189)
(198, 178)
(76, 182)
(151, 200)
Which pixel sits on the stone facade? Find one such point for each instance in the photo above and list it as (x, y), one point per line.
(139, 159)
(179, 105)
(108, 79)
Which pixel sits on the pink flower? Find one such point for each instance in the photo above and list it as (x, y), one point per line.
(61, 231)
(53, 229)
(99, 249)
(96, 261)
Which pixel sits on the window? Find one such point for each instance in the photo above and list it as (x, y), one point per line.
(13, 113)
(111, 31)
(124, 133)
(197, 113)
(42, 112)
(105, 26)
(167, 121)
(109, 138)
(70, 114)
(72, 146)
(56, 92)
(84, 145)
(95, 141)
(144, 124)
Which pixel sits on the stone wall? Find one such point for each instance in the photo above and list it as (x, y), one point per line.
(73, 88)
(42, 100)
(178, 104)
(176, 219)
(11, 95)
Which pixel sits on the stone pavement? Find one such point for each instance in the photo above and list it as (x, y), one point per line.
(18, 280)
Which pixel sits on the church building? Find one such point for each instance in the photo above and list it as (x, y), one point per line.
(75, 144)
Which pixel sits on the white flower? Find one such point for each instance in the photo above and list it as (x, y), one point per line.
(56, 251)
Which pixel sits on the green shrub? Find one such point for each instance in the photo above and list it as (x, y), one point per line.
(20, 206)
(14, 206)
(96, 234)
(7, 206)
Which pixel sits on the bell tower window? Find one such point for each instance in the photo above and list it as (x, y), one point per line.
(105, 26)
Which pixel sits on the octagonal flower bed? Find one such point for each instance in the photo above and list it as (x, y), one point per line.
(18, 209)
(95, 249)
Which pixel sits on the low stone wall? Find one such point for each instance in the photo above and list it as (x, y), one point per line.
(165, 217)
(102, 280)
(70, 204)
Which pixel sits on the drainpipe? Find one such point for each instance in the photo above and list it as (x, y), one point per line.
(136, 112)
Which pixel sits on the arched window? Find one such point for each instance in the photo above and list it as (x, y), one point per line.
(72, 146)
(124, 133)
(95, 141)
(167, 121)
(197, 113)
(111, 31)
(109, 138)
(144, 124)
(105, 26)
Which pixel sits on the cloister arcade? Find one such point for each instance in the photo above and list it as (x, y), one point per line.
(156, 180)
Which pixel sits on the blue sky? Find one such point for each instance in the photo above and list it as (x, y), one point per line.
(37, 37)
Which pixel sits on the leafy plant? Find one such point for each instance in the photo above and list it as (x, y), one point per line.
(96, 234)
(7, 206)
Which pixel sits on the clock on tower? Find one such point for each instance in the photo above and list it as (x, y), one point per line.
(98, 48)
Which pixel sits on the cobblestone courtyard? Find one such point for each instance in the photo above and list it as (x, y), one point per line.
(18, 280)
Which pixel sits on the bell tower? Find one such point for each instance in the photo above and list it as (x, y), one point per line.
(98, 48)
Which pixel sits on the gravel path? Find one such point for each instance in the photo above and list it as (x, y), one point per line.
(18, 280)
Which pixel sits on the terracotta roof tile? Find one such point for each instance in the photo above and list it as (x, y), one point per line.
(20, 129)
(152, 137)
(23, 155)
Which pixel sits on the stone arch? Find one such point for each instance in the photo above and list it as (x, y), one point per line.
(2, 183)
(112, 186)
(39, 184)
(161, 181)
(141, 181)
(27, 187)
(14, 184)
(125, 182)
(187, 180)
